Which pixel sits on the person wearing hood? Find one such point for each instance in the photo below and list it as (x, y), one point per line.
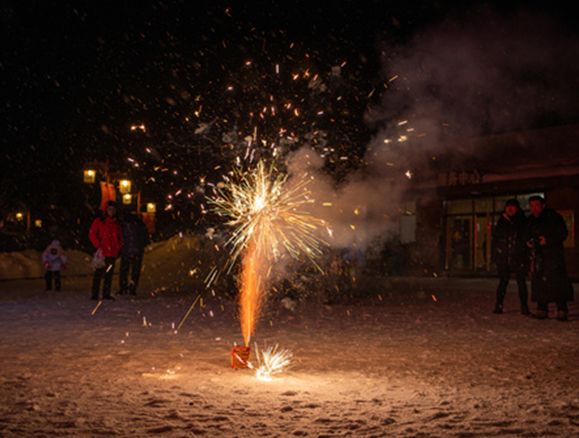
(508, 253)
(106, 235)
(54, 260)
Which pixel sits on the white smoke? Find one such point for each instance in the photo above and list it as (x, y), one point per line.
(487, 73)
(359, 212)
(464, 78)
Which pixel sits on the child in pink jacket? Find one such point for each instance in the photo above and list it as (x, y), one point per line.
(54, 260)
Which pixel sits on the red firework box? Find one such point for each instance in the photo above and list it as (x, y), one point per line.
(240, 357)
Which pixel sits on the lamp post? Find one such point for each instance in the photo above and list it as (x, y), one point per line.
(149, 216)
(23, 217)
(89, 176)
(108, 191)
(92, 169)
(125, 188)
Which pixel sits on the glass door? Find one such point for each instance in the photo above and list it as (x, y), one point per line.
(459, 243)
(482, 239)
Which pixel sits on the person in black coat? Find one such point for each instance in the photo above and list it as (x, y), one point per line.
(545, 233)
(135, 239)
(508, 251)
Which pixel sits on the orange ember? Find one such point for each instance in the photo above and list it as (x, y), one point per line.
(250, 298)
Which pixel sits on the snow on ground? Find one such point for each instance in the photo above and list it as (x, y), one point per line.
(416, 358)
(168, 257)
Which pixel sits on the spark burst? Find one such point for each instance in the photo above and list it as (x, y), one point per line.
(271, 361)
(267, 212)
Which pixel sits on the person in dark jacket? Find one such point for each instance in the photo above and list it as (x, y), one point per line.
(508, 251)
(135, 239)
(105, 234)
(545, 233)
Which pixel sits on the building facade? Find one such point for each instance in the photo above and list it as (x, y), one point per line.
(457, 207)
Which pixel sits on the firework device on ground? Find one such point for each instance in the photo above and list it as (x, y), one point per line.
(240, 357)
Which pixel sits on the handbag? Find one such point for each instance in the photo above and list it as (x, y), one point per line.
(98, 261)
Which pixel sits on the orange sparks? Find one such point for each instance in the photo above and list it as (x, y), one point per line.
(265, 211)
(250, 301)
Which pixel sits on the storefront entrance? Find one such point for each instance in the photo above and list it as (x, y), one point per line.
(469, 226)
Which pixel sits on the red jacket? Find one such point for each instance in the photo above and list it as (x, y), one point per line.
(107, 235)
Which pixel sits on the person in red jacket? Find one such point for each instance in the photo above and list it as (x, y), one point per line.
(105, 234)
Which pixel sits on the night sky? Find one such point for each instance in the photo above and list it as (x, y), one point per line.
(77, 75)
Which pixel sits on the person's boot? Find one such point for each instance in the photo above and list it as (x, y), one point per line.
(561, 315)
(541, 314)
(525, 310)
(498, 308)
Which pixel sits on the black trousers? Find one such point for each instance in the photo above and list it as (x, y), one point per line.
(521, 280)
(543, 299)
(48, 276)
(107, 273)
(130, 264)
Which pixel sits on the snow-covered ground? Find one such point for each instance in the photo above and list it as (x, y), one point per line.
(416, 358)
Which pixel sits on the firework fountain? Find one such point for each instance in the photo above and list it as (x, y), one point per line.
(267, 211)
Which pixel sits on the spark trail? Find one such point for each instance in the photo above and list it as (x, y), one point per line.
(267, 213)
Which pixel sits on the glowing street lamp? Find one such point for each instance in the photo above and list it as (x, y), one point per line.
(148, 217)
(89, 176)
(108, 182)
(125, 186)
(91, 170)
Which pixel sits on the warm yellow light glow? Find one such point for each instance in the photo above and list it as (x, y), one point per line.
(125, 186)
(140, 127)
(19, 216)
(38, 223)
(151, 207)
(127, 198)
(89, 176)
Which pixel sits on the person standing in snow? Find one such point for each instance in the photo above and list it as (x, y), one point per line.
(105, 234)
(54, 260)
(508, 251)
(135, 239)
(545, 233)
